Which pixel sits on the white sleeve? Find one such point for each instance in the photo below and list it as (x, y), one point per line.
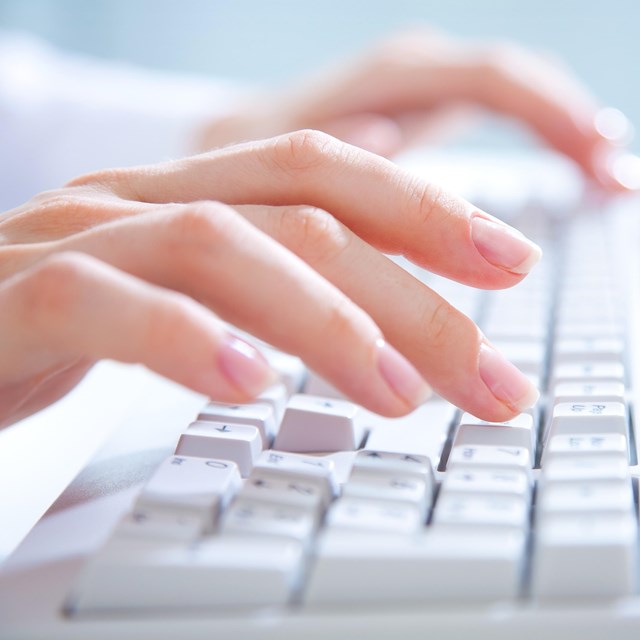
(62, 115)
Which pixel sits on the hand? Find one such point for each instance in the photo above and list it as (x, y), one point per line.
(417, 85)
(140, 265)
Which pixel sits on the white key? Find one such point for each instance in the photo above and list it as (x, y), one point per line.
(565, 445)
(589, 371)
(585, 497)
(392, 487)
(257, 414)
(316, 424)
(367, 568)
(374, 516)
(517, 432)
(258, 518)
(238, 442)
(462, 510)
(484, 456)
(588, 417)
(161, 525)
(390, 463)
(291, 369)
(296, 491)
(593, 349)
(221, 572)
(198, 485)
(586, 467)
(487, 482)
(587, 330)
(585, 556)
(293, 467)
(588, 392)
(422, 432)
(275, 396)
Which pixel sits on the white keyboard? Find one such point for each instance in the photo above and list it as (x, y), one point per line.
(301, 515)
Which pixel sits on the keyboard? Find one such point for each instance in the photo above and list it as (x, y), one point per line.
(302, 515)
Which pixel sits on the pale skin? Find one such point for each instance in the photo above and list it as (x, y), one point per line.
(283, 236)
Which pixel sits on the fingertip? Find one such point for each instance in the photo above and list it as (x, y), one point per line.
(244, 367)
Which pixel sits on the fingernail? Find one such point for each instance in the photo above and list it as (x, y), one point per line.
(400, 375)
(507, 383)
(613, 125)
(618, 167)
(503, 246)
(244, 366)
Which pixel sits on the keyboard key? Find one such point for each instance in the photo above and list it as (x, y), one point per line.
(565, 445)
(585, 556)
(374, 516)
(473, 511)
(518, 432)
(137, 575)
(588, 417)
(199, 486)
(238, 442)
(487, 482)
(354, 568)
(485, 456)
(261, 518)
(588, 371)
(317, 424)
(588, 392)
(257, 414)
(293, 467)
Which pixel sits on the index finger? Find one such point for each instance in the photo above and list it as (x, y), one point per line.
(394, 210)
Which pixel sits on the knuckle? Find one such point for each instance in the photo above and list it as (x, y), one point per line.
(438, 322)
(198, 223)
(425, 200)
(497, 62)
(313, 234)
(54, 287)
(304, 150)
(344, 321)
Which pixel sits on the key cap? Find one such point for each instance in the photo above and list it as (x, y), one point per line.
(257, 414)
(562, 446)
(484, 456)
(161, 525)
(588, 392)
(238, 442)
(517, 432)
(374, 516)
(473, 511)
(257, 518)
(387, 569)
(592, 349)
(390, 463)
(317, 424)
(200, 486)
(588, 417)
(285, 490)
(585, 497)
(392, 487)
(585, 556)
(422, 432)
(293, 467)
(588, 371)
(487, 482)
(276, 397)
(130, 575)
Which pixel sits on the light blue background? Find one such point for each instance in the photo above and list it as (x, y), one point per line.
(272, 40)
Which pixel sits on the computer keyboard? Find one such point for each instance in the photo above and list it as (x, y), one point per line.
(302, 515)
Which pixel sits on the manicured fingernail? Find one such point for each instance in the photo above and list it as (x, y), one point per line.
(613, 125)
(507, 383)
(503, 246)
(400, 375)
(244, 366)
(617, 168)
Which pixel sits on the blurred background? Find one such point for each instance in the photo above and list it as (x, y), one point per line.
(273, 40)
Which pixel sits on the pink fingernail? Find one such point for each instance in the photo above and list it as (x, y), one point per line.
(401, 375)
(507, 383)
(244, 366)
(503, 246)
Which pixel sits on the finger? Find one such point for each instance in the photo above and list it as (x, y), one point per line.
(60, 213)
(446, 347)
(394, 210)
(71, 306)
(210, 252)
